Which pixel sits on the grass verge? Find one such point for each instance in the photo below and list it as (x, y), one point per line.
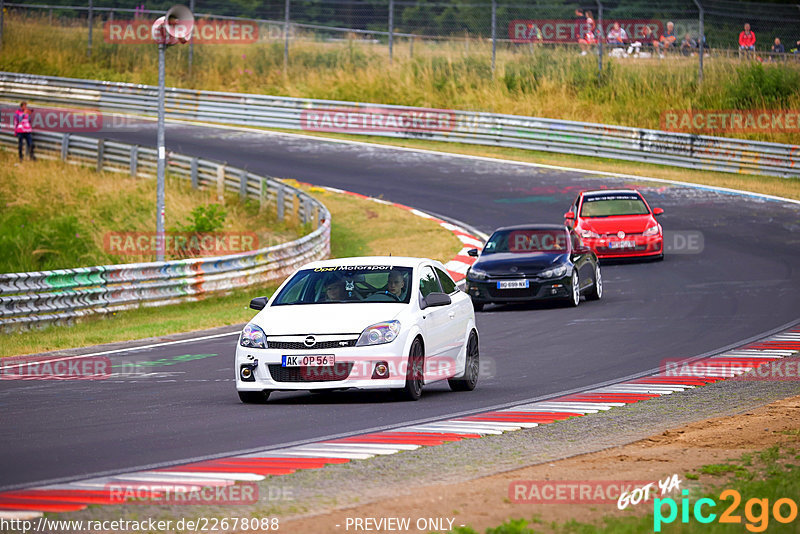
(360, 227)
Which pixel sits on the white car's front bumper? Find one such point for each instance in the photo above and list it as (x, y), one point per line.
(354, 367)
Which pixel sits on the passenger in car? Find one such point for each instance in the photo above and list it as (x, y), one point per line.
(335, 290)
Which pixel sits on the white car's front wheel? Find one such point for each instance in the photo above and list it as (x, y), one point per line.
(472, 367)
(416, 360)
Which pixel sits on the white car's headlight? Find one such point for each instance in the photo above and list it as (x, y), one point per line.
(253, 337)
(378, 334)
(653, 230)
(477, 274)
(589, 234)
(555, 272)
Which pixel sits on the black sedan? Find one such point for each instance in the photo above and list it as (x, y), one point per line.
(532, 262)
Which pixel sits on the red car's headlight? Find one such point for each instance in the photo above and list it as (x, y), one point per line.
(653, 230)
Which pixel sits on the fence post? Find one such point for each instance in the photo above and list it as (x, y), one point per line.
(391, 29)
(191, 42)
(193, 174)
(494, 33)
(91, 23)
(64, 146)
(2, 9)
(101, 149)
(286, 38)
(701, 44)
(281, 201)
(411, 47)
(134, 160)
(221, 183)
(600, 37)
(242, 185)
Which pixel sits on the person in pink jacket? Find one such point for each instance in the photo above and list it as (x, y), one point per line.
(23, 129)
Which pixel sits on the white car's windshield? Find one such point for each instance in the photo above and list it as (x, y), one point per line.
(347, 284)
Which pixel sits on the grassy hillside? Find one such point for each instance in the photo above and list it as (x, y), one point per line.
(535, 81)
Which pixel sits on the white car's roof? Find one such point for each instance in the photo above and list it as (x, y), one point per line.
(394, 261)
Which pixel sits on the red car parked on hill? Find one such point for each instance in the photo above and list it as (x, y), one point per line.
(617, 224)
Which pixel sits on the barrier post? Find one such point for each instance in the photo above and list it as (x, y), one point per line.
(281, 202)
(64, 146)
(134, 160)
(242, 185)
(221, 184)
(101, 149)
(193, 174)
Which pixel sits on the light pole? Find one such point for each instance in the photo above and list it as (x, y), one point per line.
(173, 28)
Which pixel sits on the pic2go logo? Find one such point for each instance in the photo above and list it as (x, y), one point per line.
(756, 511)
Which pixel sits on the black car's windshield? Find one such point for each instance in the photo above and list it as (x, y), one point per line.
(613, 204)
(527, 240)
(347, 283)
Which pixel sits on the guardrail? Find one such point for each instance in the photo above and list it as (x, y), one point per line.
(60, 296)
(511, 131)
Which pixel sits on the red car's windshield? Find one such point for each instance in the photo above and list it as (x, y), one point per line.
(613, 204)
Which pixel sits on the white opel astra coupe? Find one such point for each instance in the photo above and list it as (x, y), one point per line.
(370, 323)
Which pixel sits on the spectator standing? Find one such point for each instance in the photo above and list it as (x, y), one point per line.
(688, 45)
(587, 37)
(23, 129)
(747, 40)
(777, 47)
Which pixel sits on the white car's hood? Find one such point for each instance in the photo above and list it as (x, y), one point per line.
(349, 318)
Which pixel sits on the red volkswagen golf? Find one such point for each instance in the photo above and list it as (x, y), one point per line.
(617, 224)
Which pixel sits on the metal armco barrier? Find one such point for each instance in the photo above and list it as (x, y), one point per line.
(511, 131)
(35, 298)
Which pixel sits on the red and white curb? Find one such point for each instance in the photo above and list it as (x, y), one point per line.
(223, 472)
(457, 267)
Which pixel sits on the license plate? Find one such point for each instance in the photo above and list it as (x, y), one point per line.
(305, 360)
(513, 284)
(621, 244)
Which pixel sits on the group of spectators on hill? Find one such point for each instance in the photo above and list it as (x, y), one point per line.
(651, 43)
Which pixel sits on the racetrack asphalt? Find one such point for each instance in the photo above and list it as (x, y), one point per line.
(745, 281)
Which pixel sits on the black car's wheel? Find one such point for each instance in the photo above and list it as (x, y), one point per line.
(414, 374)
(478, 306)
(254, 397)
(596, 293)
(472, 367)
(575, 290)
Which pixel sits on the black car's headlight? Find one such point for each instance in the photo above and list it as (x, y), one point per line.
(477, 274)
(378, 334)
(555, 272)
(253, 337)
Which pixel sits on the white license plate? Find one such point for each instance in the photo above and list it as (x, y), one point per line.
(307, 360)
(622, 244)
(513, 284)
